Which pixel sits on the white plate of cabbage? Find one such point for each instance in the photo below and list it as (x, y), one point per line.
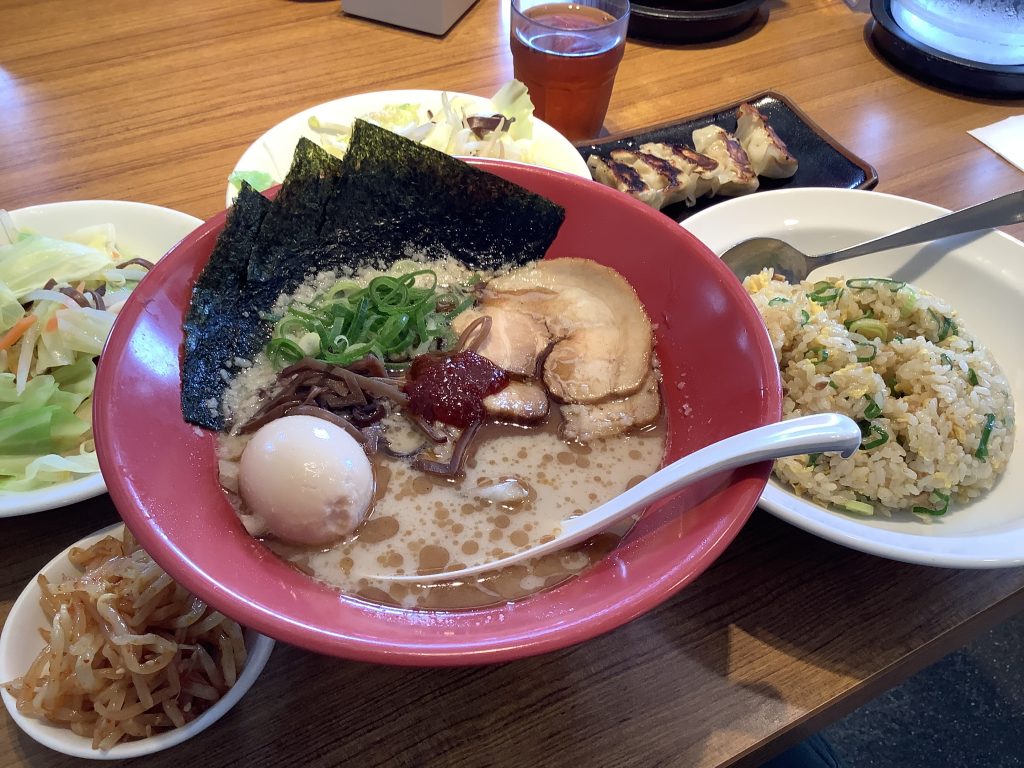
(65, 270)
(456, 123)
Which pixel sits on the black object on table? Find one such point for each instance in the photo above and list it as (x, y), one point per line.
(938, 68)
(679, 21)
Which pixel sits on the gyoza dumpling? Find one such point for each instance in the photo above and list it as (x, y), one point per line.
(767, 152)
(734, 170)
(698, 173)
(625, 179)
(658, 174)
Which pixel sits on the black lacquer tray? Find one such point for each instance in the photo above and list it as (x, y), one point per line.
(823, 161)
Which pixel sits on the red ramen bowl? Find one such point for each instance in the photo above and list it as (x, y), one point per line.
(720, 378)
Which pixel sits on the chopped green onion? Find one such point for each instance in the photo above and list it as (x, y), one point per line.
(284, 352)
(833, 384)
(340, 288)
(860, 283)
(824, 292)
(872, 410)
(804, 317)
(777, 301)
(870, 328)
(812, 459)
(986, 433)
(869, 353)
(941, 502)
(392, 318)
(817, 355)
(972, 377)
(881, 439)
(466, 303)
(859, 507)
(946, 326)
(909, 301)
(946, 359)
(868, 313)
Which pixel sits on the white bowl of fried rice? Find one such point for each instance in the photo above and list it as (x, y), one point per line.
(919, 346)
(228, 674)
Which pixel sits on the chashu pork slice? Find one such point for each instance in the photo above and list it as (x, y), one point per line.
(516, 339)
(602, 337)
(612, 417)
(521, 402)
(736, 174)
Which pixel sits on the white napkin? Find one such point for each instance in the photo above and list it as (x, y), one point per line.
(1005, 138)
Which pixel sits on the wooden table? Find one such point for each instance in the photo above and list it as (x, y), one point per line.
(785, 633)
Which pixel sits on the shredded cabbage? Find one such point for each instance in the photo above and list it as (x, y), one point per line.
(28, 263)
(38, 471)
(11, 310)
(48, 346)
(85, 330)
(513, 101)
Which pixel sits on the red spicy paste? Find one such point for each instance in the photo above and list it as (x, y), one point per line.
(452, 388)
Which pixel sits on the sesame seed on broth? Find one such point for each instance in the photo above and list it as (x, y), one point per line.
(421, 523)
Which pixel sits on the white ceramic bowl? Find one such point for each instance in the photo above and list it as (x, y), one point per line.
(981, 275)
(143, 230)
(272, 152)
(20, 643)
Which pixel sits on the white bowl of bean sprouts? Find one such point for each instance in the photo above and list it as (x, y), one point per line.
(187, 656)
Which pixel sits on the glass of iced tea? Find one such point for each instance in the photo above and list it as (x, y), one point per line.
(567, 55)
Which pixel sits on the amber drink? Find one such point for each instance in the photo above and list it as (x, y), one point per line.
(567, 55)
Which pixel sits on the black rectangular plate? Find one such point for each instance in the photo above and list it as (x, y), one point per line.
(823, 162)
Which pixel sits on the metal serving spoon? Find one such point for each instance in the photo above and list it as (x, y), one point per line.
(823, 432)
(751, 256)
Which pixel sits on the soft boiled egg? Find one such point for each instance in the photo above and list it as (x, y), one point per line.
(307, 479)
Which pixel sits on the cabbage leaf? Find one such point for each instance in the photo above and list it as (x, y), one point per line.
(29, 263)
(513, 101)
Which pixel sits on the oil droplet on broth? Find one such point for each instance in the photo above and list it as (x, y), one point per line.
(433, 558)
(377, 529)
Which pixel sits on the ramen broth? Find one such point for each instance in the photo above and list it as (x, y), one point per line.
(425, 523)
(422, 523)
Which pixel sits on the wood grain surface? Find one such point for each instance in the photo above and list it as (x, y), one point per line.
(156, 101)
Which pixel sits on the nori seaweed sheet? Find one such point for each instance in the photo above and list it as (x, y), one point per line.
(249, 268)
(396, 194)
(293, 224)
(388, 197)
(217, 326)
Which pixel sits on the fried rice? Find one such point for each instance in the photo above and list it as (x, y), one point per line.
(935, 410)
